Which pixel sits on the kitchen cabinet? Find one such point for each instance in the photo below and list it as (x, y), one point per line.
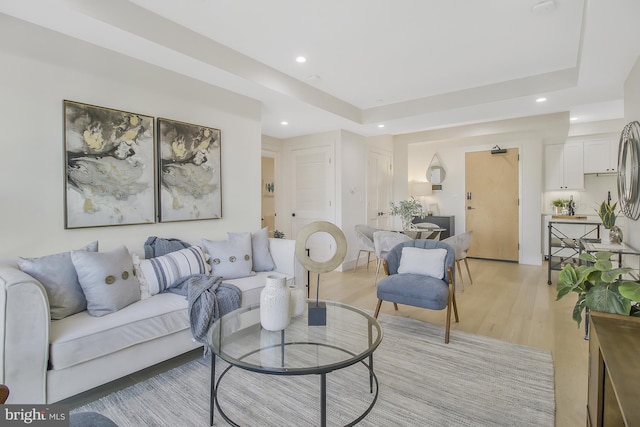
(564, 168)
(601, 156)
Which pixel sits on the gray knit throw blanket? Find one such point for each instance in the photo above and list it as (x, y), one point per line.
(208, 299)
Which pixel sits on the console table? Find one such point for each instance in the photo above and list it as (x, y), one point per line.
(614, 371)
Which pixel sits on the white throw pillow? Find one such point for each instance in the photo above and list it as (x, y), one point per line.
(230, 259)
(262, 260)
(160, 273)
(107, 280)
(428, 262)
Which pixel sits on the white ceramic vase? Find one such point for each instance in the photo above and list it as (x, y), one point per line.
(274, 304)
(297, 301)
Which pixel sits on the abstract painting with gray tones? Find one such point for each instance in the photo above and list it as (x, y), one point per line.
(189, 171)
(109, 167)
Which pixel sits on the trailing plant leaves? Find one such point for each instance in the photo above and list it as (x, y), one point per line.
(630, 290)
(605, 297)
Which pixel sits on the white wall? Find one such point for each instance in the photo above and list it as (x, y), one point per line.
(632, 113)
(352, 191)
(39, 70)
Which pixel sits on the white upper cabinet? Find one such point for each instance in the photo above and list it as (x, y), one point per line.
(601, 156)
(563, 165)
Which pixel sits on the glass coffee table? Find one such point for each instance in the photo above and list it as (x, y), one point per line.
(349, 337)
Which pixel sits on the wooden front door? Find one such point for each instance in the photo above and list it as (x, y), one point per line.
(492, 211)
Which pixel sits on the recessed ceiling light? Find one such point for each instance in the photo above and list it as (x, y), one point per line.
(284, 123)
(380, 125)
(541, 99)
(301, 59)
(573, 119)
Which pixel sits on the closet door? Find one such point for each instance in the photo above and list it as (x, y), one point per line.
(314, 196)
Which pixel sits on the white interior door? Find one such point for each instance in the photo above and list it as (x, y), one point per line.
(378, 190)
(313, 196)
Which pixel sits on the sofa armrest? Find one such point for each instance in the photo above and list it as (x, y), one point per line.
(283, 252)
(24, 336)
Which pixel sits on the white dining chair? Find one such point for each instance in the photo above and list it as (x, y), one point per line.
(364, 233)
(384, 241)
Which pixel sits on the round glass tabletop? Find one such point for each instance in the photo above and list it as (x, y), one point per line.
(349, 336)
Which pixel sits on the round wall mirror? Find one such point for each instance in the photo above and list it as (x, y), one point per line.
(436, 174)
(628, 176)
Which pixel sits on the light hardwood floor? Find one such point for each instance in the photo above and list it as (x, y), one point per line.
(507, 301)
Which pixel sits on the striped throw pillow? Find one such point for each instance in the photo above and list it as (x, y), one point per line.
(160, 273)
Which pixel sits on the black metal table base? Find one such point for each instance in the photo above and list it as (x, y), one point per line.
(215, 386)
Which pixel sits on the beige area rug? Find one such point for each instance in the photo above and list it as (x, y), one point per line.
(472, 381)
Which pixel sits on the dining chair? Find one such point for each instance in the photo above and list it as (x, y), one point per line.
(461, 243)
(364, 233)
(384, 241)
(420, 274)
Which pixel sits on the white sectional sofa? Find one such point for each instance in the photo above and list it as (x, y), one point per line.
(45, 361)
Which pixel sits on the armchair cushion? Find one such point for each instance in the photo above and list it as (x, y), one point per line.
(415, 290)
(428, 262)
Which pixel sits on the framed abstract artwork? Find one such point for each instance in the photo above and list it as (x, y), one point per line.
(189, 171)
(109, 167)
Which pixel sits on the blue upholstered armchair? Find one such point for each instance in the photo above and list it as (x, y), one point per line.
(422, 275)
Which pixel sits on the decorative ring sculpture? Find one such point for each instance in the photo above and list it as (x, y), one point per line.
(628, 163)
(301, 244)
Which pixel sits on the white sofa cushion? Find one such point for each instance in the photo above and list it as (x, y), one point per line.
(252, 286)
(81, 337)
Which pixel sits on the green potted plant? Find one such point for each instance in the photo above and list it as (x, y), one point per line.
(599, 286)
(407, 209)
(608, 215)
(558, 204)
(277, 234)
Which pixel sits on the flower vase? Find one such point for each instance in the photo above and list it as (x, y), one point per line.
(274, 304)
(298, 300)
(615, 235)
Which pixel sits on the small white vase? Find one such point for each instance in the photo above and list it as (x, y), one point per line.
(274, 304)
(298, 300)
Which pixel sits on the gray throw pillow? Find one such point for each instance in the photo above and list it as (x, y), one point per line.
(58, 276)
(230, 259)
(262, 260)
(107, 280)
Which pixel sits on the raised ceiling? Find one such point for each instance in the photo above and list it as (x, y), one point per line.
(411, 65)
